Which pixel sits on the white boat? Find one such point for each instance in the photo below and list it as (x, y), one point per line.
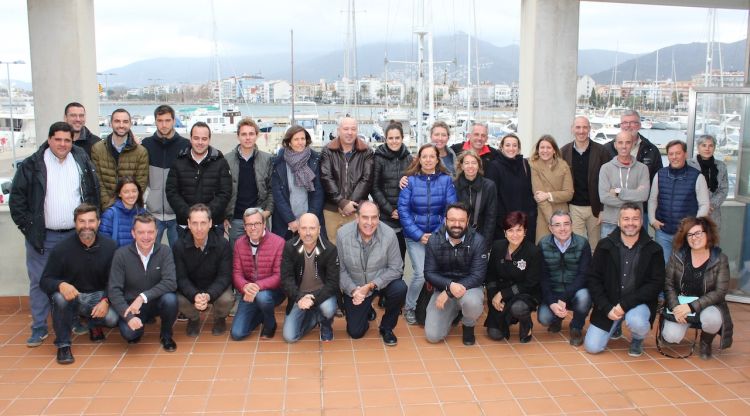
(218, 120)
(611, 118)
(306, 115)
(604, 135)
(399, 115)
(24, 128)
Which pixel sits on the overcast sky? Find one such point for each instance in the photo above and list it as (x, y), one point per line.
(183, 28)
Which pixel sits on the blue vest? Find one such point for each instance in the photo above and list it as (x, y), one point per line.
(677, 198)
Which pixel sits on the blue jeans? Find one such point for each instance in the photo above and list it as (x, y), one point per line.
(165, 307)
(171, 227)
(299, 321)
(64, 311)
(250, 314)
(416, 255)
(35, 263)
(606, 229)
(580, 305)
(665, 241)
(637, 319)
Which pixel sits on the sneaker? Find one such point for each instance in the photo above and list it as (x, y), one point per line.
(326, 332)
(410, 316)
(636, 348)
(576, 337)
(220, 326)
(37, 336)
(193, 327)
(389, 338)
(268, 332)
(79, 328)
(618, 333)
(65, 356)
(555, 326)
(96, 334)
(468, 335)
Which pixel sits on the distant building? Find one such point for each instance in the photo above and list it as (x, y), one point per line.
(277, 91)
(584, 86)
(503, 94)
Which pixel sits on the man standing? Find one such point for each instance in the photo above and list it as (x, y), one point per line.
(163, 148)
(75, 115)
(585, 158)
(142, 284)
(119, 155)
(75, 278)
(251, 179)
(310, 277)
(257, 276)
(203, 262)
(47, 188)
(678, 191)
(622, 179)
(346, 165)
(477, 140)
(625, 278)
(455, 265)
(642, 149)
(370, 262)
(200, 174)
(563, 279)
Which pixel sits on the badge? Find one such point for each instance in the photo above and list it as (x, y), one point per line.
(521, 264)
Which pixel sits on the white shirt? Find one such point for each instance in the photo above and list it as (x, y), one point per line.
(63, 193)
(144, 258)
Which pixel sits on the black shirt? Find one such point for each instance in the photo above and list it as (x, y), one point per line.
(580, 171)
(86, 268)
(628, 260)
(247, 188)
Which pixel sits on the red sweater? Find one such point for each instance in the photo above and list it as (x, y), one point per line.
(264, 268)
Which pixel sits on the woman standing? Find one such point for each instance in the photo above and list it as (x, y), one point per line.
(512, 176)
(295, 183)
(421, 209)
(715, 172)
(513, 280)
(117, 220)
(478, 193)
(551, 182)
(696, 283)
(391, 162)
(439, 135)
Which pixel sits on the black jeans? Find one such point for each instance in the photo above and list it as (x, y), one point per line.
(356, 315)
(165, 307)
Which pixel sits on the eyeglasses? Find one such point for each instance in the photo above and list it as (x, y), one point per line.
(697, 234)
(561, 224)
(253, 224)
(630, 123)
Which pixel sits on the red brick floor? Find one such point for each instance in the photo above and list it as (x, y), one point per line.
(357, 377)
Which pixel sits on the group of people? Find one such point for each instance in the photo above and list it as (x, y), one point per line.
(472, 218)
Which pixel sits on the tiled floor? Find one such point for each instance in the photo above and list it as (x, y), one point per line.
(352, 377)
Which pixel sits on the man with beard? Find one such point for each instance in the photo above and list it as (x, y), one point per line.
(163, 148)
(310, 278)
(455, 265)
(370, 263)
(625, 278)
(75, 115)
(117, 156)
(75, 277)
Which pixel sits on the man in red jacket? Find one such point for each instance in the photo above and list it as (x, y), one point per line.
(257, 276)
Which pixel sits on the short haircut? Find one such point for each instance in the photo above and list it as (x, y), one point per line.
(630, 205)
(671, 143)
(462, 156)
(440, 125)
(252, 211)
(60, 126)
(367, 202)
(457, 205)
(511, 135)
(479, 124)
(705, 138)
(549, 139)
(287, 140)
(515, 218)
(164, 109)
(395, 125)
(200, 124)
(560, 213)
(73, 104)
(84, 208)
(144, 219)
(199, 207)
(247, 121)
(706, 223)
(119, 110)
(126, 180)
(628, 113)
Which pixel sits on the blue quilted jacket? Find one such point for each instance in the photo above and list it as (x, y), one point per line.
(421, 205)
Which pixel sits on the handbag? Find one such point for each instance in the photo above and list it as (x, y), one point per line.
(664, 314)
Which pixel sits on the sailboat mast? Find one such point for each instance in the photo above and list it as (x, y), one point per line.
(294, 92)
(656, 83)
(468, 74)
(419, 30)
(216, 58)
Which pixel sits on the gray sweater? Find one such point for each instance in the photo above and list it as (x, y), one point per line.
(128, 279)
(383, 263)
(633, 182)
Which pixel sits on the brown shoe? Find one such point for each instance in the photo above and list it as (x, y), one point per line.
(705, 345)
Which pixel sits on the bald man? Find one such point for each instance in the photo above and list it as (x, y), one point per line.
(310, 278)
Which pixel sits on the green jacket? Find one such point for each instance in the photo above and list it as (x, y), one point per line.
(132, 161)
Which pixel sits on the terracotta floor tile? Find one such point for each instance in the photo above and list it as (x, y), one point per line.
(377, 398)
(38, 390)
(422, 410)
(303, 401)
(67, 406)
(455, 394)
(348, 383)
(186, 404)
(411, 367)
(661, 410)
(550, 374)
(582, 371)
(611, 401)
(527, 390)
(664, 380)
(266, 386)
(264, 402)
(163, 373)
(629, 382)
(679, 395)
(311, 370)
(341, 400)
(732, 407)
(224, 404)
(376, 382)
(383, 411)
(699, 409)
(517, 375)
(539, 406)
(646, 398)
(269, 371)
(417, 396)
(575, 404)
(79, 390)
(563, 388)
(26, 407)
(714, 392)
(501, 407)
(413, 381)
(463, 409)
(153, 404)
(492, 392)
(192, 388)
(452, 378)
(117, 389)
(155, 388)
(108, 406)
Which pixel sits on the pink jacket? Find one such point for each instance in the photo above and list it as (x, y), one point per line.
(264, 268)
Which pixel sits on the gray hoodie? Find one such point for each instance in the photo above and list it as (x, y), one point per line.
(633, 181)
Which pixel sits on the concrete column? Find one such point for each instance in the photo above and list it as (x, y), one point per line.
(548, 70)
(63, 60)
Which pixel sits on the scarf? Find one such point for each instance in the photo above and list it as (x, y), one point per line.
(710, 171)
(297, 162)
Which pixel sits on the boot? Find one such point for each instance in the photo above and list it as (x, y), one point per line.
(468, 335)
(705, 345)
(524, 329)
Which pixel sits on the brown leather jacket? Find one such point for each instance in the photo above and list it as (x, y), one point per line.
(715, 286)
(346, 180)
